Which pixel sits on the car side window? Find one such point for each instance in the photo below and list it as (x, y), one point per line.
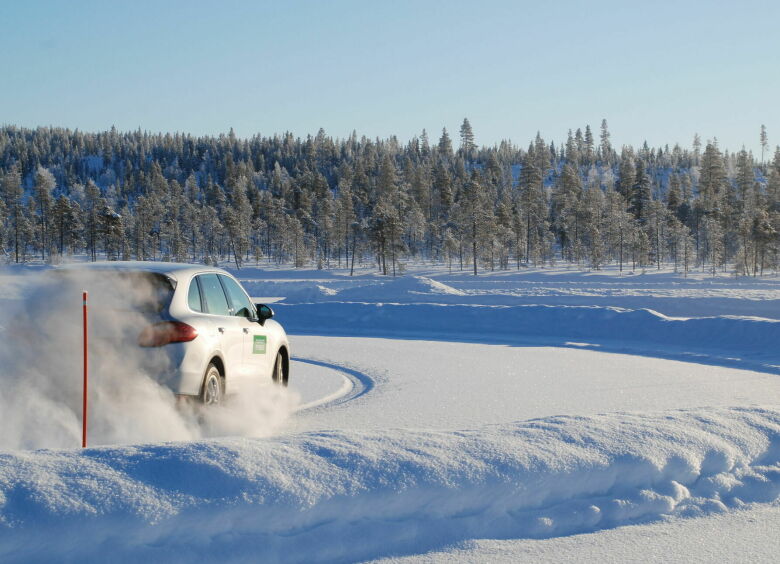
(216, 302)
(242, 307)
(193, 297)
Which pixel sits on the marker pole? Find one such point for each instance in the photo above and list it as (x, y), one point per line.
(86, 370)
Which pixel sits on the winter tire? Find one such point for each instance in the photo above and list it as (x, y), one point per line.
(212, 391)
(278, 374)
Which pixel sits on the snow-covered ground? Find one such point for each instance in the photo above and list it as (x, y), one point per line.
(548, 415)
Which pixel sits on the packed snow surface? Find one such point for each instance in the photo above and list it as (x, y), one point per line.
(431, 417)
(734, 536)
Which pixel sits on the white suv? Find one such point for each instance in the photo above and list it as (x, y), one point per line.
(215, 339)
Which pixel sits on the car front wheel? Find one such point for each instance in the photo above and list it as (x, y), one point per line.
(278, 374)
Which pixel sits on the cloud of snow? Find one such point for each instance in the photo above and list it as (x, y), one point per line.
(41, 375)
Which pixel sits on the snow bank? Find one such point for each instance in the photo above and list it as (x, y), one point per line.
(644, 329)
(399, 289)
(668, 293)
(291, 291)
(345, 495)
(406, 288)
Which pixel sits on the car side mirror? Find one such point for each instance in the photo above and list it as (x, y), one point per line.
(264, 312)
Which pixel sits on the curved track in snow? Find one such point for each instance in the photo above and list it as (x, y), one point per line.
(355, 385)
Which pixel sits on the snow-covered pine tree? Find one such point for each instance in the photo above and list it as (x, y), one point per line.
(467, 144)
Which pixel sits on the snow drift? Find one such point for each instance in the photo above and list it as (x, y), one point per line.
(344, 495)
(405, 288)
(665, 292)
(643, 329)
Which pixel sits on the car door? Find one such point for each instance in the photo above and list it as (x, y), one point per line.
(255, 337)
(231, 333)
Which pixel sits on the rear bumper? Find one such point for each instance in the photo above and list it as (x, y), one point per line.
(176, 367)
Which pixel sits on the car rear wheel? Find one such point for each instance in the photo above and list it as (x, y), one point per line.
(212, 392)
(278, 374)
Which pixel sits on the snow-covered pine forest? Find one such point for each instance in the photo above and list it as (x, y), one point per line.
(325, 202)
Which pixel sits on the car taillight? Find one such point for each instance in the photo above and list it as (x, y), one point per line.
(166, 332)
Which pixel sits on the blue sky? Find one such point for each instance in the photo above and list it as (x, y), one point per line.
(659, 71)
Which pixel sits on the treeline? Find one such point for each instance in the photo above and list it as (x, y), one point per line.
(326, 202)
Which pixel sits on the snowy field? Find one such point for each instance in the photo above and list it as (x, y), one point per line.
(545, 415)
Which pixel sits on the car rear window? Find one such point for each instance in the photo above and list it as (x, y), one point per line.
(120, 290)
(216, 302)
(159, 295)
(193, 297)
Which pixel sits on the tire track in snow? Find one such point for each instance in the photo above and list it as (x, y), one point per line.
(361, 384)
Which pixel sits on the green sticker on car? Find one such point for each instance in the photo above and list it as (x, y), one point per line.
(259, 344)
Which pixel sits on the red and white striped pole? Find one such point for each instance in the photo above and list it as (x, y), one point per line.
(86, 370)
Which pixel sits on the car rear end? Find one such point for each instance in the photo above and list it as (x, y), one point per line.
(132, 319)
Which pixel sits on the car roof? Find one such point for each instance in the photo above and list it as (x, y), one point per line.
(171, 269)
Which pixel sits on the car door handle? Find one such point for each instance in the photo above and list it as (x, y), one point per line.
(221, 329)
(246, 330)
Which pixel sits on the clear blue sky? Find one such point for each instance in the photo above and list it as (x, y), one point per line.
(659, 70)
